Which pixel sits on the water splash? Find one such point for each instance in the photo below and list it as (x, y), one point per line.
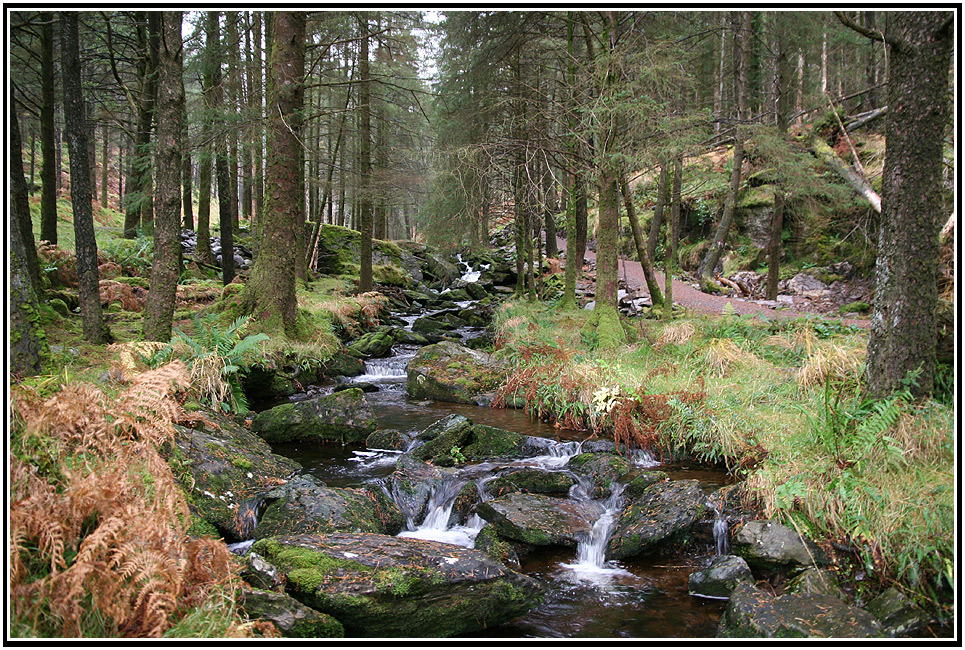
(591, 565)
(721, 534)
(435, 526)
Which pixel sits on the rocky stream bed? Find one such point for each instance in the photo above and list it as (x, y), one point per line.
(395, 503)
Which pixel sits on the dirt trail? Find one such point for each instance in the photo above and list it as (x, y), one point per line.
(686, 296)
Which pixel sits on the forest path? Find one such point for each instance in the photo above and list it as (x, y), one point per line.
(688, 297)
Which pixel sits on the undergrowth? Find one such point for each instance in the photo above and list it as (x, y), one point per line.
(98, 524)
(779, 404)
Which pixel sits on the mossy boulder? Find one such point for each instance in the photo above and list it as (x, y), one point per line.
(345, 416)
(381, 586)
(405, 337)
(898, 614)
(640, 480)
(432, 325)
(489, 542)
(388, 440)
(754, 613)
(373, 345)
(486, 443)
(601, 470)
(443, 440)
(769, 545)
(664, 512)
(541, 520)
(343, 364)
(306, 505)
(450, 372)
(223, 468)
(292, 618)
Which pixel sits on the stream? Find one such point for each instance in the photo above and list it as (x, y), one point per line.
(587, 596)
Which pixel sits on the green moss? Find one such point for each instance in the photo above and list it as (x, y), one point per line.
(306, 569)
(391, 274)
(756, 197)
(852, 307)
(241, 463)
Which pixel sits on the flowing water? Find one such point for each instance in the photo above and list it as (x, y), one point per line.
(587, 596)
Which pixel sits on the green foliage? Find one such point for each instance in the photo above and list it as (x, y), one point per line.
(134, 256)
(214, 355)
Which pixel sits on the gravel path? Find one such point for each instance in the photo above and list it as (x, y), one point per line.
(685, 295)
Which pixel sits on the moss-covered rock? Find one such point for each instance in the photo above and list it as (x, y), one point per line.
(486, 442)
(450, 372)
(532, 481)
(292, 618)
(720, 578)
(753, 613)
(223, 467)
(489, 542)
(769, 545)
(305, 505)
(344, 416)
(411, 484)
(382, 586)
(664, 512)
(388, 440)
(443, 440)
(376, 344)
(432, 325)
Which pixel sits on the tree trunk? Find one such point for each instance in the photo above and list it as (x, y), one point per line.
(147, 204)
(257, 166)
(27, 341)
(104, 167)
(843, 169)
(903, 323)
(49, 170)
(95, 330)
(657, 222)
(234, 106)
(270, 292)
(159, 309)
(673, 235)
(708, 265)
(365, 165)
(655, 296)
(187, 175)
(140, 159)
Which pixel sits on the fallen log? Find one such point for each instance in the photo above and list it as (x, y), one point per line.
(850, 176)
(863, 119)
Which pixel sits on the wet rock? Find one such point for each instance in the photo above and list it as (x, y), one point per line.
(769, 545)
(438, 268)
(665, 511)
(442, 439)
(541, 520)
(388, 440)
(342, 364)
(261, 574)
(476, 290)
(223, 466)
(363, 386)
(531, 481)
(292, 618)
(898, 614)
(306, 505)
(720, 578)
(374, 345)
(753, 613)
(450, 372)
(344, 416)
(405, 337)
(601, 470)
(456, 295)
(381, 586)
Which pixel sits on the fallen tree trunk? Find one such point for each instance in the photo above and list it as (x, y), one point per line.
(850, 176)
(863, 119)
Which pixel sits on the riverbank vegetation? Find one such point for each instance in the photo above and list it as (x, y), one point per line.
(777, 402)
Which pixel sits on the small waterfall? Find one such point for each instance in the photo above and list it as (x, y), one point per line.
(435, 526)
(557, 454)
(590, 565)
(721, 533)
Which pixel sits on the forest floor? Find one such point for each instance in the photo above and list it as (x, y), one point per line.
(689, 297)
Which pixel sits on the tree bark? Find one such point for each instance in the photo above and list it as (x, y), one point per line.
(645, 262)
(657, 222)
(140, 156)
(673, 235)
(27, 341)
(270, 292)
(105, 151)
(48, 148)
(95, 329)
(365, 164)
(903, 323)
(159, 309)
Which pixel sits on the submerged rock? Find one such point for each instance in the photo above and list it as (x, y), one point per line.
(753, 613)
(292, 618)
(305, 505)
(344, 416)
(224, 467)
(541, 520)
(769, 545)
(450, 372)
(381, 586)
(664, 511)
(720, 578)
